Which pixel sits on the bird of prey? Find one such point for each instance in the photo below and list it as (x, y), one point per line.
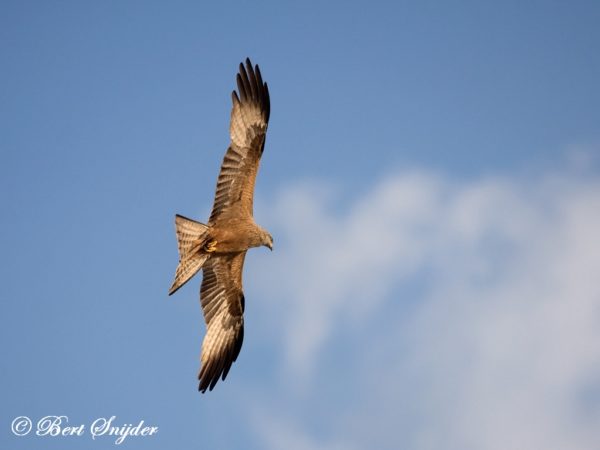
(219, 247)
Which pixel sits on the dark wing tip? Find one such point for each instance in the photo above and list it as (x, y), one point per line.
(219, 367)
(252, 89)
(212, 371)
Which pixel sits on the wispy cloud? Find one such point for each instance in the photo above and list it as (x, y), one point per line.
(453, 314)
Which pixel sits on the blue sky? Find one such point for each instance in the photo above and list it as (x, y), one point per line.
(431, 181)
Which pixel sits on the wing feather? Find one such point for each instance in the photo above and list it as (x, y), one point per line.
(222, 302)
(249, 120)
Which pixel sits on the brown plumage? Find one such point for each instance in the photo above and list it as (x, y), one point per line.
(219, 248)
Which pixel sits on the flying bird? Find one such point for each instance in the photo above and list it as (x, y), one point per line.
(219, 247)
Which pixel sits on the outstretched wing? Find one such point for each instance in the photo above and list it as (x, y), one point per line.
(222, 302)
(248, 128)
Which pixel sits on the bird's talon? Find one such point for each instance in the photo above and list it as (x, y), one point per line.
(211, 246)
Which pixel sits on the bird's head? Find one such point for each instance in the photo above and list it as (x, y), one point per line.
(267, 240)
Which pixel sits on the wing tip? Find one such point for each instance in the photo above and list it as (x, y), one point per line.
(251, 87)
(218, 368)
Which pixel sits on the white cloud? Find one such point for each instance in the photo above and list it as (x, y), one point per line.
(471, 311)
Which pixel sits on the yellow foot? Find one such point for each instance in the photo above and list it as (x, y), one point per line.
(210, 246)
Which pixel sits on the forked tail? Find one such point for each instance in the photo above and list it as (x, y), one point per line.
(191, 236)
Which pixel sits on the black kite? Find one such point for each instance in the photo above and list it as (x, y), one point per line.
(219, 247)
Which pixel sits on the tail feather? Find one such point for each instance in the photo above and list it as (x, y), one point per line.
(190, 238)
